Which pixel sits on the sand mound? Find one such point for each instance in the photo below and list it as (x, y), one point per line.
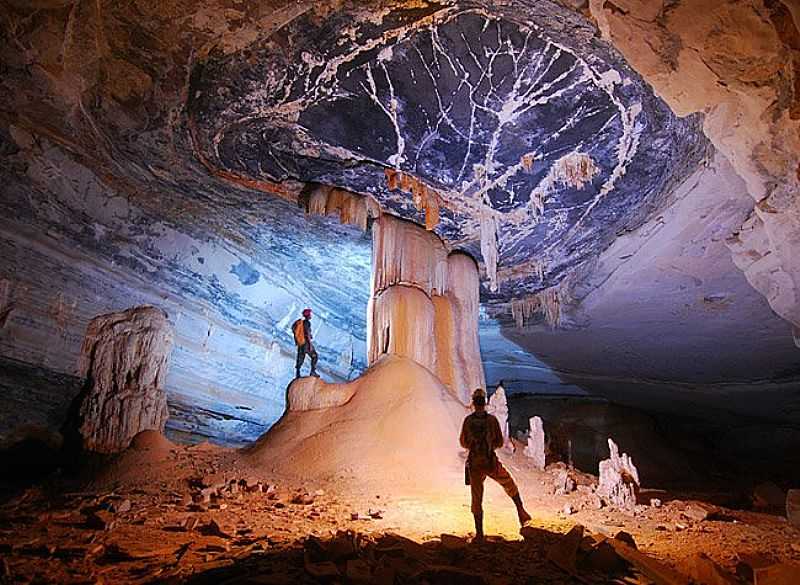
(146, 461)
(151, 441)
(397, 427)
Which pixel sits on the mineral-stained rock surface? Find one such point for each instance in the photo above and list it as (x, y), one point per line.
(124, 359)
(519, 117)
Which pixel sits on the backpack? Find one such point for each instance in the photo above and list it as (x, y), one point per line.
(299, 332)
(480, 454)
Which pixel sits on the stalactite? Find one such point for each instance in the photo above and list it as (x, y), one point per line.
(350, 208)
(546, 303)
(573, 170)
(488, 221)
(402, 323)
(426, 199)
(527, 162)
(403, 253)
(523, 309)
(550, 300)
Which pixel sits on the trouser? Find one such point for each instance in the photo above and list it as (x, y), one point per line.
(302, 351)
(498, 473)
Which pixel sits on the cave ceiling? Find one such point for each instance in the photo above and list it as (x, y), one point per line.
(518, 115)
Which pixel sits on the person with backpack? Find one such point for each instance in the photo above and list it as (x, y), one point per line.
(481, 435)
(302, 338)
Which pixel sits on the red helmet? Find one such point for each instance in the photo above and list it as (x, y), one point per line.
(306, 312)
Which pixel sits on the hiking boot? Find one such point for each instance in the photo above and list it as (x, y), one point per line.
(314, 373)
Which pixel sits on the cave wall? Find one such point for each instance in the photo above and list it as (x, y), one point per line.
(72, 248)
(738, 63)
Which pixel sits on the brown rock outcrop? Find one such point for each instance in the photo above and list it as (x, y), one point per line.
(124, 361)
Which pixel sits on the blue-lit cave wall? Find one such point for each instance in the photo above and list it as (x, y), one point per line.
(232, 279)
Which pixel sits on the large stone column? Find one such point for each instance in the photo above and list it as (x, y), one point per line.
(463, 295)
(424, 304)
(124, 360)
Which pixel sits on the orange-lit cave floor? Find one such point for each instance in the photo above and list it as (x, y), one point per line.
(135, 521)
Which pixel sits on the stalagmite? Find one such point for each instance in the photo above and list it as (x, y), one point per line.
(535, 448)
(619, 479)
(445, 328)
(124, 360)
(498, 406)
(425, 305)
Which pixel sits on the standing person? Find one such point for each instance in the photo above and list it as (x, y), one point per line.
(481, 435)
(303, 339)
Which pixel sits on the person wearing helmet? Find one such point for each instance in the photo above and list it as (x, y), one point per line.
(481, 435)
(305, 347)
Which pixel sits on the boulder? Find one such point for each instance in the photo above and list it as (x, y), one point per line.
(704, 570)
(124, 362)
(619, 479)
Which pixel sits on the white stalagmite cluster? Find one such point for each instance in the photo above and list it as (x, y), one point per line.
(124, 360)
(619, 479)
(424, 305)
(535, 449)
(351, 208)
(498, 406)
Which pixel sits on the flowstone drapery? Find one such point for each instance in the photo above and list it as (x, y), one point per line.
(424, 304)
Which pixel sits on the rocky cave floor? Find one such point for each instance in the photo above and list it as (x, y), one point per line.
(163, 513)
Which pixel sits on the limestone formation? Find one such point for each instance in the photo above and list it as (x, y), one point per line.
(425, 304)
(619, 483)
(463, 288)
(350, 208)
(311, 393)
(124, 360)
(498, 406)
(535, 448)
(402, 323)
(404, 254)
